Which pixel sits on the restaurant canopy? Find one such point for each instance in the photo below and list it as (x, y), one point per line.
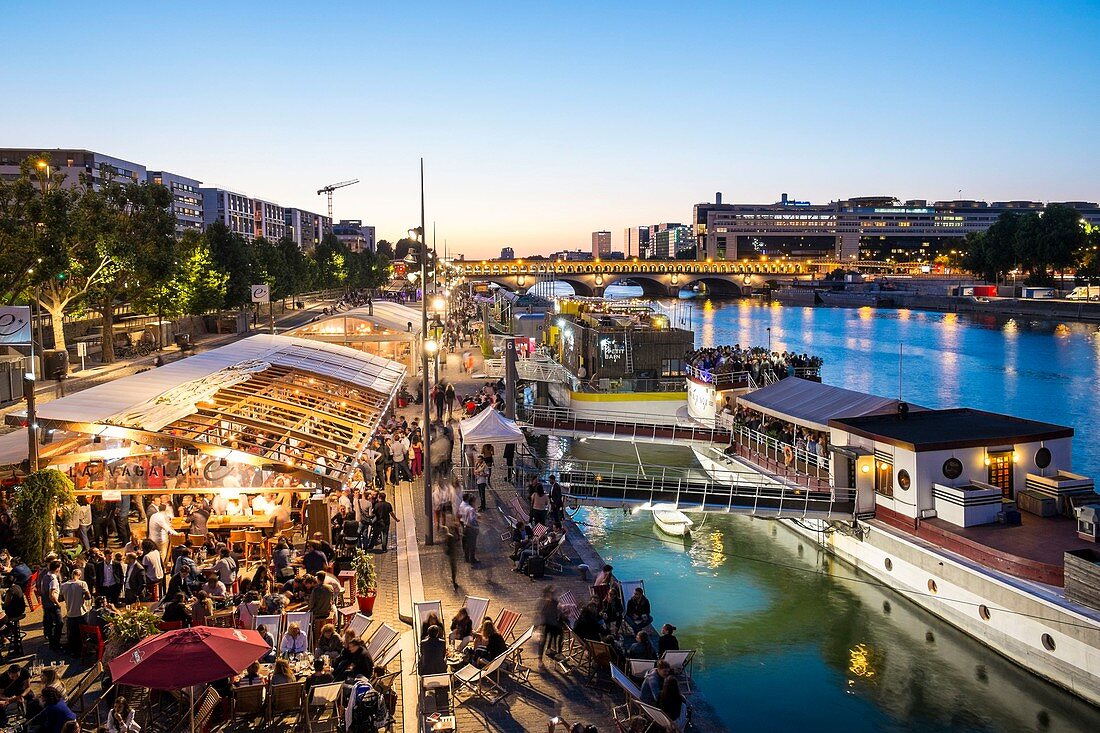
(812, 404)
(376, 322)
(489, 426)
(305, 407)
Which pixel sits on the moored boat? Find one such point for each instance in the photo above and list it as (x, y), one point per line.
(672, 522)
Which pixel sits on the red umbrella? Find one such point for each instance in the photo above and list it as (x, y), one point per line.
(187, 657)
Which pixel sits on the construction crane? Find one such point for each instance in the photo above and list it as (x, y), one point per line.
(332, 187)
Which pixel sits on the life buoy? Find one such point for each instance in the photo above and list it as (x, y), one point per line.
(788, 455)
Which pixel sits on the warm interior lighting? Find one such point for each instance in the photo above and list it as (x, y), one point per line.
(866, 468)
(987, 461)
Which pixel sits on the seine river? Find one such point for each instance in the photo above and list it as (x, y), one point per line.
(790, 640)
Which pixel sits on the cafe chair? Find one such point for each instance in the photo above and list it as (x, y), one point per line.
(197, 539)
(286, 700)
(247, 706)
(304, 619)
(437, 686)
(253, 540)
(91, 642)
(323, 709)
(237, 538)
(82, 685)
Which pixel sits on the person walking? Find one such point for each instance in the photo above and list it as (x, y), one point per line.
(449, 396)
(548, 620)
(50, 593)
(510, 458)
(452, 548)
(469, 535)
(383, 513)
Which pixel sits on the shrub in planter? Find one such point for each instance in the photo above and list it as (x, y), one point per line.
(128, 627)
(36, 505)
(366, 580)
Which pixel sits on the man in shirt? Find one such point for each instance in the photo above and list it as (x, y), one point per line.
(399, 452)
(320, 598)
(226, 568)
(314, 561)
(77, 604)
(50, 593)
(383, 513)
(469, 520)
(160, 529)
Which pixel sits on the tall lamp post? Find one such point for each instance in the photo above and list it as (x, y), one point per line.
(430, 537)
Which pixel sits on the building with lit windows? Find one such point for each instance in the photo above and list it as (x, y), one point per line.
(635, 241)
(357, 236)
(73, 163)
(601, 244)
(866, 228)
(186, 199)
(250, 217)
(306, 228)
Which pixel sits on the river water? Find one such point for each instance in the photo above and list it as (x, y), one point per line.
(790, 640)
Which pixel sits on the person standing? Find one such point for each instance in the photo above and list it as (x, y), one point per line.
(557, 502)
(383, 513)
(510, 458)
(439, 396)
(84, 518)
(449, 396)
(50, 593)
(469, 535)
(161, 530)
(77, 604)
(548, 619)
(452, 548)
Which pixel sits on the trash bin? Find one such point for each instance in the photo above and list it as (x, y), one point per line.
(183, 341)
(582, 570)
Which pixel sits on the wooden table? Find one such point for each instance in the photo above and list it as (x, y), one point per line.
(221, 522)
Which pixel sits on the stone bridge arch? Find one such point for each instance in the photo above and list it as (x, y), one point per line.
(727, 285)
(652, 287)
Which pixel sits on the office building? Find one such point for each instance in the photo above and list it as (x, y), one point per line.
(635, 240)
(507, 253)
(186, 199)
(97, 167)
(669, 240)
(357, 236)
(601, 244)
(865, 228)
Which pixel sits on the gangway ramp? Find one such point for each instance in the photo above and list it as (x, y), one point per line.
(534, 368)
(549, 420)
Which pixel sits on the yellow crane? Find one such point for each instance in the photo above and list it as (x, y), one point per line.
(332, 187)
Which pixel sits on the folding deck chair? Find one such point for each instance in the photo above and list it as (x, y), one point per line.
(477, 679)
(506, 622)
(519, 672)
(623, 713)
(324, 708)
(358, 624)
(421, 611)
(380, 641)
(304, 619)
(478, 608)
(663, 721)
(680, 661)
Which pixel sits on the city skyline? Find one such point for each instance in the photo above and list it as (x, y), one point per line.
(540, 126)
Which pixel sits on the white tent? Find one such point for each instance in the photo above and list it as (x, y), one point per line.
(490, 426)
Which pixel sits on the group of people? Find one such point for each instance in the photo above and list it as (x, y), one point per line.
(805, 444)
(756, 360)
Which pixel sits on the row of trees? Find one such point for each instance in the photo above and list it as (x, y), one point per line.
(81, 248)
(1038, 245)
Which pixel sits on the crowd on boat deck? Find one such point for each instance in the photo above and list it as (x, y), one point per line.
(813, 442)
(756, 360)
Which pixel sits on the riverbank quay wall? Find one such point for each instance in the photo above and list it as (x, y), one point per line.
(1029, 623)
(1040, 309)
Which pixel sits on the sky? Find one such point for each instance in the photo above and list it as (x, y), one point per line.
(540, 123)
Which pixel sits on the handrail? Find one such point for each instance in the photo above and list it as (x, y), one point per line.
(563, 418)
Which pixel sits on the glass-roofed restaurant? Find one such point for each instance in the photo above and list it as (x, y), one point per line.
(262, 417)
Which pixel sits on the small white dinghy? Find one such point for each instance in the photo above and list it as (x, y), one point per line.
(673, 522)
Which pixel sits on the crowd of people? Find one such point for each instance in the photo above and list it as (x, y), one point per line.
(756, 360)
(805, 444)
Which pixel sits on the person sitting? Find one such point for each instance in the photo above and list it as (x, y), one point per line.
(202, 609)
(282, 675)
(176, 611)
(637, 611)
(55, 711)
(121, 719)
(353, 661)
(281, 559)
(15, 685)
(433, 653)
(294, 641)
(671, 699)
(315, 560)
(319, 676)
(266, 636)
(251, 676)
(462, 629)
(213, 587)
(521, 538)
(492, 644)
(587, 626)
(328, 644)
(273, 602)
(427, 623)
(654, 681)
(603, 581)
(667, 642)
(641, 648)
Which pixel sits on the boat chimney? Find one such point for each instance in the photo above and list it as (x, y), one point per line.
(903, 410)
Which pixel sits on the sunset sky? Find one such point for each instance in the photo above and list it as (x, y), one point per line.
(540, 123)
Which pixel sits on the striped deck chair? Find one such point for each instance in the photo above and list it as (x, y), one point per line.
(569, 608)
(358, 624)
(380, 641)
(478, 608)
(519, 511)
(506, 622)
(539, 531)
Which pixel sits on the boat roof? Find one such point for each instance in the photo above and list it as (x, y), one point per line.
(962, 427)
(813, 404)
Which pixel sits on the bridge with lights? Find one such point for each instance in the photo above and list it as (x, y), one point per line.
(657, 278)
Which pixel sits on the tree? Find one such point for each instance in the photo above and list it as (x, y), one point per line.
(201, 285)
(37, 502)
(384, 249)
(234, 257)
(331, 256)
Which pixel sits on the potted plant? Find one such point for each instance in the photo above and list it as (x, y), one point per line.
(366, 580)
(128, 627)
(38, 501)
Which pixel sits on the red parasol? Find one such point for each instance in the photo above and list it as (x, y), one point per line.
(187, 657)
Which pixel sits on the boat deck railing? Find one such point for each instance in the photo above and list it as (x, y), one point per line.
(613, 484)
(535, 368)
(622, 426)
(744, 379)
(775, 451)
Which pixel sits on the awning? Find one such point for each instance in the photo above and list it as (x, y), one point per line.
(387, 315)
(489, 426)
(307, 405)
(812, 404)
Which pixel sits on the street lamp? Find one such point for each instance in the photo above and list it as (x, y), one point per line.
(431, 348)
(423, 249)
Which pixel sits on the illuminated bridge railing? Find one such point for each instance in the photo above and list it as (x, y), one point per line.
(612, 268)
(610, 484)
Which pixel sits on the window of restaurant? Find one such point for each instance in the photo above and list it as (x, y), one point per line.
(884, 478)
(1000, 472)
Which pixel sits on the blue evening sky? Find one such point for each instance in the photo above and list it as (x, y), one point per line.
(541, 122)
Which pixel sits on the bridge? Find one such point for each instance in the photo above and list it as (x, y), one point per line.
(657, 278)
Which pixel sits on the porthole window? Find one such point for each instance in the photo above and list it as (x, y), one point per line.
(983, 611)
(903, 480)
(889, 564)
(952, 468)
(1042, 457)
(1048, 643)
(932, 586)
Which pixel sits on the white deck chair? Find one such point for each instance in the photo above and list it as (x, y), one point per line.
(274, 626)
(421, 611)
(304, 619)
(476, 679)
(638, 667)
(633, 692)
(628, 586)
(478, 608)
(380, 640)
(657, 716)
(519, 672)
(324, 708)
(388, 656)
(680, 661)
(359, 624)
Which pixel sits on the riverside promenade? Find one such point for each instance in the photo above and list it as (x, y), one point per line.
(424, 574)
